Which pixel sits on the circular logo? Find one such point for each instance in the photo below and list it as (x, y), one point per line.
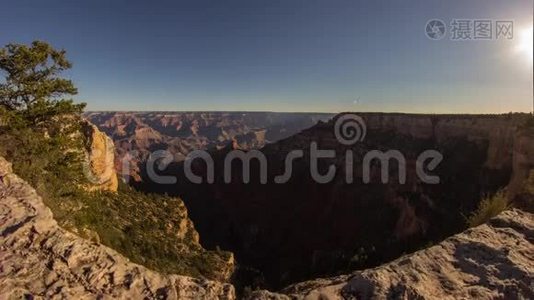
(435, 29)
(350, 129)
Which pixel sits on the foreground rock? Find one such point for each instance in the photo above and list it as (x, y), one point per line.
(40, 259)
(492, 261)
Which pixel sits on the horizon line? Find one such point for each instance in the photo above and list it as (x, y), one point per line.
(305, 112)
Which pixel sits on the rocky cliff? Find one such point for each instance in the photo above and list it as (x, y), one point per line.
(137, 134)
(303, 229)
(100, 169)
(499, 132)
(491, 261)
(40, 259)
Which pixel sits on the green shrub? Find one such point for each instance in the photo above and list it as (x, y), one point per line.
(148, 229)
(488, 208)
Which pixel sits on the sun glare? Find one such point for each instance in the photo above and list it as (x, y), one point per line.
(525, 43)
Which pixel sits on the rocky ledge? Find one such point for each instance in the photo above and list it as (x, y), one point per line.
(491, 261)
(40, 259)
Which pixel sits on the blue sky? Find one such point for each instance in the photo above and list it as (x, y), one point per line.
(280, 55)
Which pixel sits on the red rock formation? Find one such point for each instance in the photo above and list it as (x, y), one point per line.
(136, 135)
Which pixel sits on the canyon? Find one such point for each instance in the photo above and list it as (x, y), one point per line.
(41, 259)
(302, 239)
(137, 134)
(285, 233)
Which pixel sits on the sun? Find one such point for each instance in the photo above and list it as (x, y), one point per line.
(525, 43)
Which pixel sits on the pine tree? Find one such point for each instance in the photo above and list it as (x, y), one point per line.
(33, 88)
(40, 128)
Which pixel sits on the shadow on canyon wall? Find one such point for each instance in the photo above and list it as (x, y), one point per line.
(283, 233)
